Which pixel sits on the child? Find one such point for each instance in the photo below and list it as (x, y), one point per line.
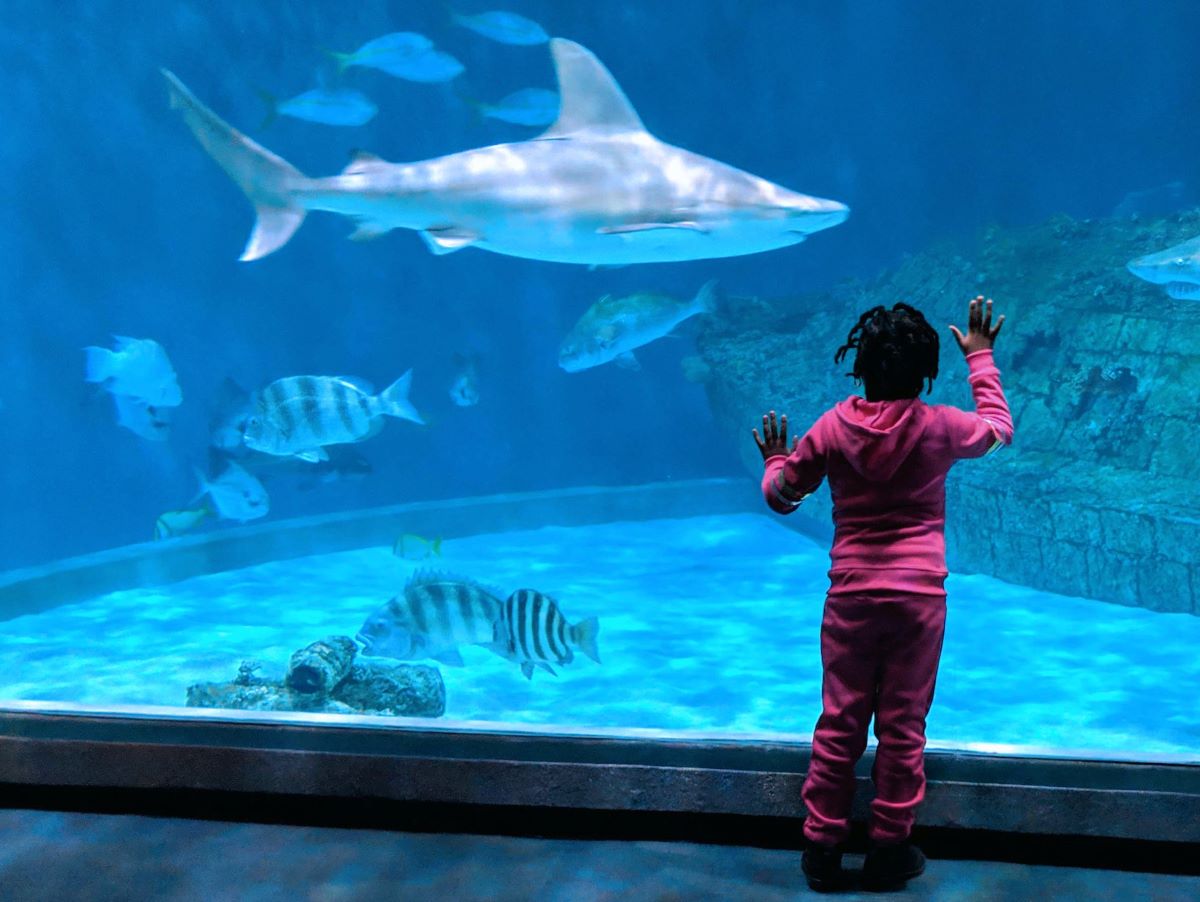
(886, 458)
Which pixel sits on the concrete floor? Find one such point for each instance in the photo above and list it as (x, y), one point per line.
(59, 856)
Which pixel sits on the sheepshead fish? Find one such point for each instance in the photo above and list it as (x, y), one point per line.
(299, 415)
(613, 328)
(137, 367)
(535, 633)
(435, 614)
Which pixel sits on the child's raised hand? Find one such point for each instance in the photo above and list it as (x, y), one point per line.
(773, 441)
(980, 333)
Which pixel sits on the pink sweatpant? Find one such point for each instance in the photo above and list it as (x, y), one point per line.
(880, 656)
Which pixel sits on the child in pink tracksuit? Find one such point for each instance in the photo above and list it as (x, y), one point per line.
(886, 459)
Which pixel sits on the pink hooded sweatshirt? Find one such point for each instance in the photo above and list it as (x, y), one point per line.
(887, 462)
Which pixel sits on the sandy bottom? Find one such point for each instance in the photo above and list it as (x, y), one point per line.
(707, 623)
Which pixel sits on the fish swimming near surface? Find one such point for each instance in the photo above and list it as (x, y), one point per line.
(503, 26)
(595, 188)
(1177, 269)
(140, 418)
(235, 495)
(135, 367)
(613, 328)
(299, 415)
(434, 615)
(175, 523)
(411, 547)
(535, 633)
(528, 106)
(464, 387)
(325, 106)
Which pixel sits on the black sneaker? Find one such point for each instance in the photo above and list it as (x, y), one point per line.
(889, 867)
(822, 866)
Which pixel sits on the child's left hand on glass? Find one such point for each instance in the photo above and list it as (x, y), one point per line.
(773, 441)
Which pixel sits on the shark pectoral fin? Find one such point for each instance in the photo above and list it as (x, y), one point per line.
(369, 231)
(650, 226)
(627, 361)
(591, 101)
(448, 240)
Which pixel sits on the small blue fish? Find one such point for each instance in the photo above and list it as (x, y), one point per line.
(403, 54)
(529, 106)
(505, 27)
(327, 106)
(399, 48)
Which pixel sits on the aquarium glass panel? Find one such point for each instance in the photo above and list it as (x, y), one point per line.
(401, 360)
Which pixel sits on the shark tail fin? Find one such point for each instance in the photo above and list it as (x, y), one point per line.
(267, 179)
(394, 402)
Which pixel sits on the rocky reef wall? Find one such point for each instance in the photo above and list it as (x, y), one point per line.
(1099, 495)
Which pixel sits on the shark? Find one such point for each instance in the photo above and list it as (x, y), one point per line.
(595, 188)
(1178, 268)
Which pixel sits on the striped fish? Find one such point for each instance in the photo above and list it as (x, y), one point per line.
(435, 614)
(536, 633)
(299, 415)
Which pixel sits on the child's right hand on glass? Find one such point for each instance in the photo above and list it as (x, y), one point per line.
(773, 441)
(980, 334)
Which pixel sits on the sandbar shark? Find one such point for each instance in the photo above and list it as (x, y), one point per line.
(1178, 268)
(595, 188)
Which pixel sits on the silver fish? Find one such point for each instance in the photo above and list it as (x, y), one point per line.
(503, 26)
(298, 415)
(143, 419)
(136, 367)
(535, 632)
(594, 188)
(435, 614)
(613, 328)
(236, 494)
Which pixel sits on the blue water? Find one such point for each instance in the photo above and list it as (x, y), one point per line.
(707, 623)
(930, 120)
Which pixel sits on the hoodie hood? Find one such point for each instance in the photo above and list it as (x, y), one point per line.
(876, 437)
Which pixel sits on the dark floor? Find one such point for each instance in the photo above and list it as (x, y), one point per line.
(57, 856)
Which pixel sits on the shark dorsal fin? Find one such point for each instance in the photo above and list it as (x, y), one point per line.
(592, 101)
(363, 162)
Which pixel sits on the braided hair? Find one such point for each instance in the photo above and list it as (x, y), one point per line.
(896, 351)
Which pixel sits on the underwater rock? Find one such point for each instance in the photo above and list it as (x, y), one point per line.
(321, 666)
(404, 690)
(411, 690)
(1097, 497)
